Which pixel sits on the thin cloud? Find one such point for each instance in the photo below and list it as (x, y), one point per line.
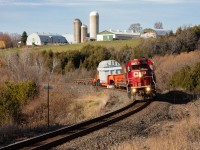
(41, 3)
(55, 2)
(170, 1)
(64, 3)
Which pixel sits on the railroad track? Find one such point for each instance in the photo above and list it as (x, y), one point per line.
(60, 136)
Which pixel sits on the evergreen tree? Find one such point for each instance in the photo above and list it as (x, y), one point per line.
(24, 38)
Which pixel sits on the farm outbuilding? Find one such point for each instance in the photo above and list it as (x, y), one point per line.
(116, 35)
(44, 39)
(148, 33)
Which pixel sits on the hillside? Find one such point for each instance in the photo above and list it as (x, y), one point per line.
(71, 103)
(117, 45)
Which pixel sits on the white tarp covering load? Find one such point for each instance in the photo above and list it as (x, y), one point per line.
(108, 67)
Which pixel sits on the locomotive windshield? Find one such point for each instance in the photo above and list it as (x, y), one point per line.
(139, 67)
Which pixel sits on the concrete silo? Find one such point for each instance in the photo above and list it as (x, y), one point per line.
(77, 31)
(83, 33)
(94, 24)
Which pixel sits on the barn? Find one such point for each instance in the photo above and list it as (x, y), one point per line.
(110, 35)
(44, 39)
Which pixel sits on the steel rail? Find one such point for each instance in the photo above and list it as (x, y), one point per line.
(65, 134)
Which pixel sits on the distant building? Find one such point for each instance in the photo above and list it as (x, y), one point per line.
(153, 33)
(44, 39)
(69, 38)
(110, 35)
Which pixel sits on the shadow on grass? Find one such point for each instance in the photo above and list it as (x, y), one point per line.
(177, 97)
(14, 133)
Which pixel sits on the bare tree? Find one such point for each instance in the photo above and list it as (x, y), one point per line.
(15, 38)
(6, 38)
(158, 25)
(136, 27)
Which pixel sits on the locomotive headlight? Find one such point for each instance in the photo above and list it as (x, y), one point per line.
(148, 89)
(134, 90)
(140, 74)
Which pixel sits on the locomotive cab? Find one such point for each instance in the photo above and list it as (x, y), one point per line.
(140, 78)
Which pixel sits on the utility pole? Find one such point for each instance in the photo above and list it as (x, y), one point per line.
(48, 88)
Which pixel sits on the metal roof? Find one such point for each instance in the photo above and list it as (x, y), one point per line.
(108, 64)
(118, 32)
(159, 32)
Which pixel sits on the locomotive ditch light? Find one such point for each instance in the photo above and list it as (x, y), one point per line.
(134, 90)
(148, 89)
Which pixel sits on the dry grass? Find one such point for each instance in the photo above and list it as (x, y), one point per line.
(167, 65)
(175, 135)
(89, 106)
(67, 104)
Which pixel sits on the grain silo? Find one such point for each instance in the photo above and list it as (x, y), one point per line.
(77, 31)
(94, 24)
(83, 33)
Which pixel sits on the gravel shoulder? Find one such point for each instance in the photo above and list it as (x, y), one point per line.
(159, 118)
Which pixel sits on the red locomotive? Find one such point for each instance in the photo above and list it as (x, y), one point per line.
(140, 78)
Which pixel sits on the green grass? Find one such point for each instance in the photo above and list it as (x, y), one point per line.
(117, 45)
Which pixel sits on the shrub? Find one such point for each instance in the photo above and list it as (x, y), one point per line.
(13, 96)
(187, 78)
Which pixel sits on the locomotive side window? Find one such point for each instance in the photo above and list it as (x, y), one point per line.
(138, 67)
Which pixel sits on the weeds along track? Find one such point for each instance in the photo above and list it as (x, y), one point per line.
(65, 134)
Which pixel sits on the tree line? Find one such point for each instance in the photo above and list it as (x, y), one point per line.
(185, 39)
(13, 39)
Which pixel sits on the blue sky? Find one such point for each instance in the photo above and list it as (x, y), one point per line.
(57, 16)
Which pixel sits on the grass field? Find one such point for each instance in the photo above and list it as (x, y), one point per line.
(117, 45)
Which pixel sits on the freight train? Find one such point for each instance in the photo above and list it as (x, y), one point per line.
(138, 77)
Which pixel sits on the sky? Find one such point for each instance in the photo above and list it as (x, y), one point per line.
(57, 16)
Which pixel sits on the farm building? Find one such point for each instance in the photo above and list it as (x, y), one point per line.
(148, 33)
(69, 38)
(116, 35)
(43, 39)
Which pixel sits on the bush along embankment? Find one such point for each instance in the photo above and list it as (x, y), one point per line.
(188, 78)
(13, 96)
(88, 57)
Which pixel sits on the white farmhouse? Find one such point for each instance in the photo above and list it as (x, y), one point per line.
(153, 33)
